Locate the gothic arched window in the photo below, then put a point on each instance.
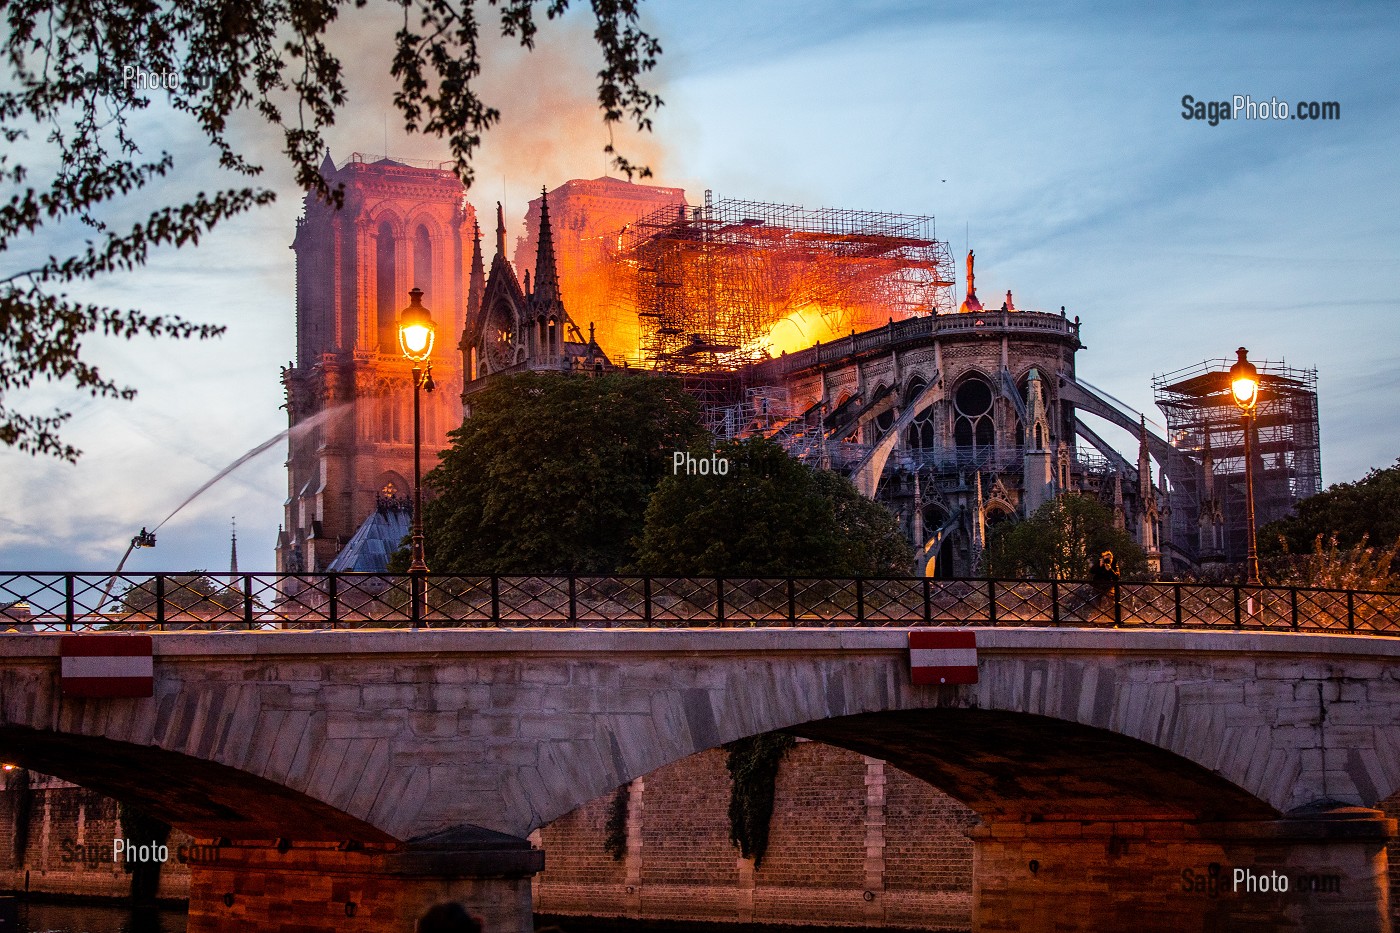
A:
(854, 436)
(881, 423)
(423, 263)
(386, 288)
(920, 434)
(973, 426)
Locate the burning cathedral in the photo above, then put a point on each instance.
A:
(836, 333)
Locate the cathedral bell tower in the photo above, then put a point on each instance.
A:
(350, 391)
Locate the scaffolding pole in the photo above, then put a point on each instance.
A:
(734, 282)
(1201, 413)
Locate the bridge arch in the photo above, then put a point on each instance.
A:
(202, 797)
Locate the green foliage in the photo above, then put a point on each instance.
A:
(753, 775)
(1349, 512)
(67, 107)
(140, 828)
(552, 472)
(868, 538)
(769, 516)
(1332, 566)
(615, 829)
(1061, 541)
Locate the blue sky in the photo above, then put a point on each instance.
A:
(1047, 136)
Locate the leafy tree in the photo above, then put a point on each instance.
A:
(1349, 512)
(769, 516)
(1061, 541)
(1331, 566)
(185, 591)
(552, 472)
(67, 103)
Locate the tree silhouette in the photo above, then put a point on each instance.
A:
(76, 74)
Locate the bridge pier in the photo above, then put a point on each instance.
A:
(323, 888)
(1181, 877)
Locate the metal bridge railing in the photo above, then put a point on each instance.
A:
(254, 601)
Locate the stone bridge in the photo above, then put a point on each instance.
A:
(350, 777)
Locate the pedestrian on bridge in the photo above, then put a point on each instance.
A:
(1105, 577)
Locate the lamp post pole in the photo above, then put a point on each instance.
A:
(1252, 550)
(1244, 385)
(419, 565)
(416, 331)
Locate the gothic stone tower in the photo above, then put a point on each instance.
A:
(349, 393)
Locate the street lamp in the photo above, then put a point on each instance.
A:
(416, 332)
(1244, 386)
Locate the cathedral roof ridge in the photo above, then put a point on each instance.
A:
(375, 160)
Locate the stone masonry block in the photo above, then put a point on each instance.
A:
(388, 696)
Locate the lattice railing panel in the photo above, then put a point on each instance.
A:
(310, 601)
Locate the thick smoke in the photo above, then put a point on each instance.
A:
(551, 128)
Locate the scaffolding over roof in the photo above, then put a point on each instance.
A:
(1201, 414)
(735, 281)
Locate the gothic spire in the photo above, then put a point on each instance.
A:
(1037, 423)
(233, 552)
(1144, 462)
(546, 268)
(979, 523)
(500, 231)
(918, 521)
(1149, 509)
(477, 282)
(1120, 518)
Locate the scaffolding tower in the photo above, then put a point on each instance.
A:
(733, 282)
(1202, 416)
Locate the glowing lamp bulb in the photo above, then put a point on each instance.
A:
(416, 329)
(1244, 382)
(415, 339)
(8, 767)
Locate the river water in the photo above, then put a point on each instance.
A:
(71, 918)
(83, 918)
